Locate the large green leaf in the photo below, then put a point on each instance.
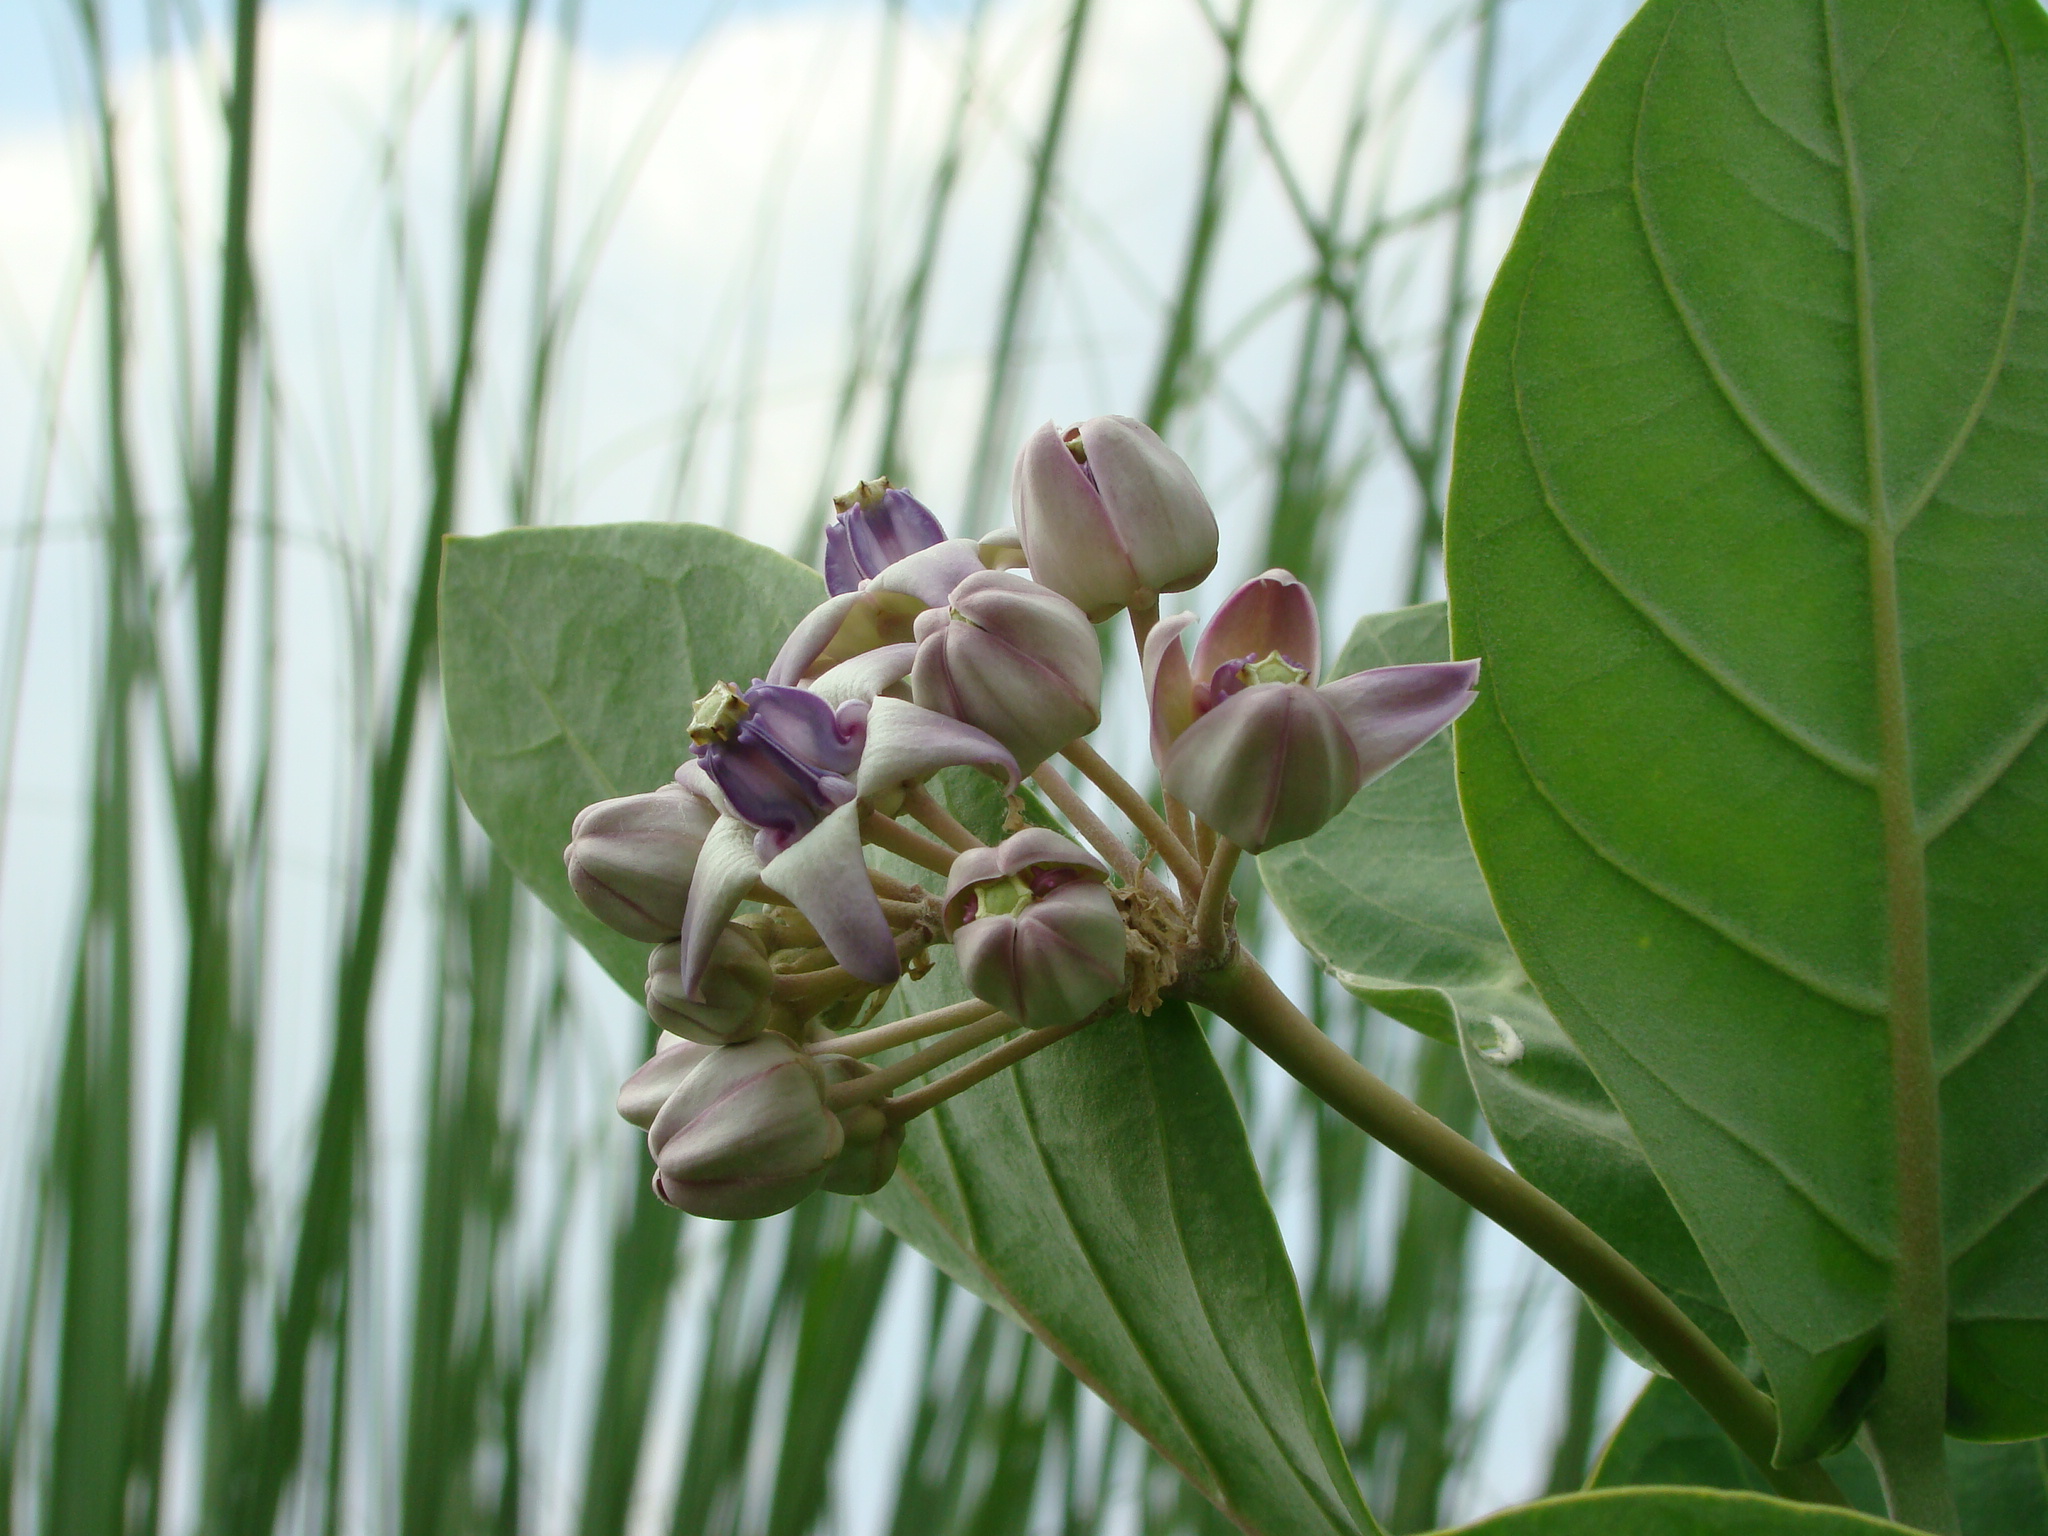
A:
(1674, 1512)
(1103, 1193)
(1667, 1438)
(1766, 370)
(570, 659)
(1389, 899)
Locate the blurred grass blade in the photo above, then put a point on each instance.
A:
(991, 453)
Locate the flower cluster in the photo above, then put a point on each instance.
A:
(932, 653)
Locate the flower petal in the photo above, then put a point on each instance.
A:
(1154, 503)
(1168, 683)
(1271, 612)
(726, 871)
(807, 642)
(865, 677)
(1267, 766)
(643, 1094)
(929, 576)
(825, 877)
(1069, 542)
(907, 744)
(1390, 711)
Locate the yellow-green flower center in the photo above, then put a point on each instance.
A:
(999, 898)
(717, 715)
(1272, 668)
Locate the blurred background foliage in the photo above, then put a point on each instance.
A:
(315, 1214)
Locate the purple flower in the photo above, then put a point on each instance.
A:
(792, 776)
(1110, 516)
(1036, 930)
(1248, 741)
(874, 526)
(784, 757)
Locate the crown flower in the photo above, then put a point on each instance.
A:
(779, 1072)
(1246, 739)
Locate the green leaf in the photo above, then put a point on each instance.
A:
(1674, 1512)
(570, 659)
(1102, 1193)
(1389, 899)
(1667, 1438)
(1769, 349)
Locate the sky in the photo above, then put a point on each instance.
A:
(723, 199)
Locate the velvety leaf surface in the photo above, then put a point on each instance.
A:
(1757, 417)
(1389, 899)
(1103, 1193)
(1667, 1438)
(570, 660)
(1674, 1512)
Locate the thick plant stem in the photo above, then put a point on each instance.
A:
(1245, 995)
(1125, 797)
(914, 847)
(1215, 903)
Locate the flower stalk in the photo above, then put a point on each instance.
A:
(924, 807)
(920, 1026)
(908, 1106)
(865, 1090)
(1125, 797)
(912, 847)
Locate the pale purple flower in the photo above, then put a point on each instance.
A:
(1014, 658)
(1035, 929)
(868, 1159)
(1247, 740)
(1109, 515)
(733, 993)
(744, 1132)
(879, 612)
(630, 860)
(791, 779)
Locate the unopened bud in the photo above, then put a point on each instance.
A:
(868, 1160)
(1014, 659)
(732, 995)
(643, 1094)
(1109, 515)
(1036, 931)
(630, 860)
(745, 1133)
